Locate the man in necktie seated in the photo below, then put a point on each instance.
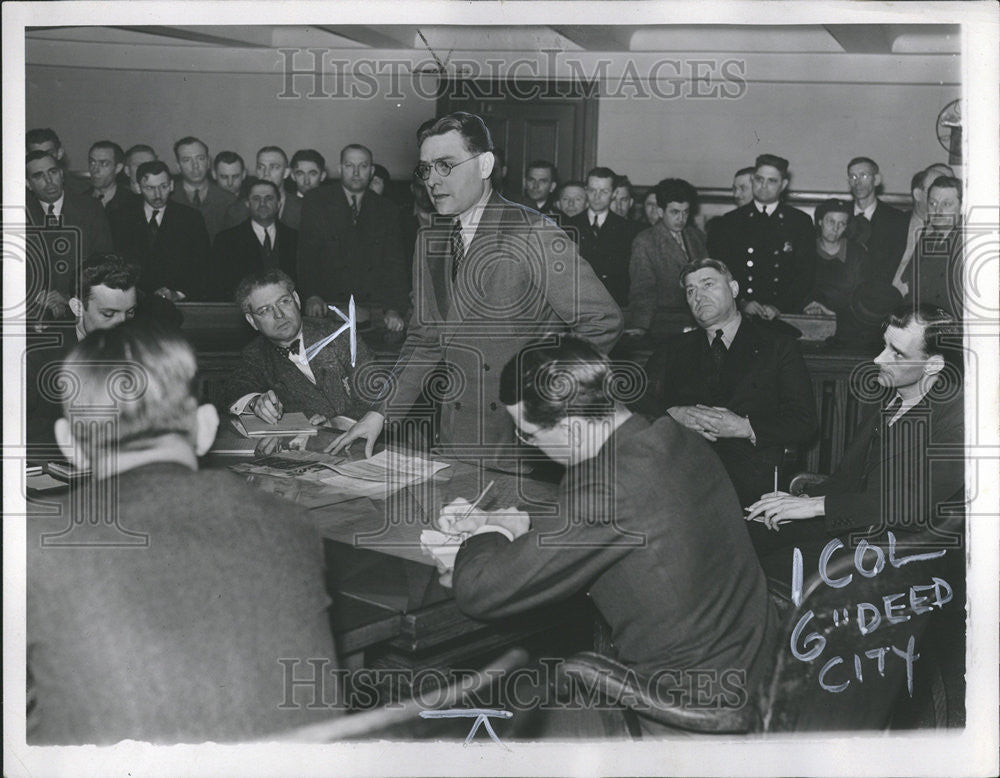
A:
(901, 469)
(259, 243)
(648, 525)
(164, 603)
(275, 374)
(736, 380)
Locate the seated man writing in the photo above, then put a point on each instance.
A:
(900, 470)
(649, 527)
(161, 601)
(275, 375)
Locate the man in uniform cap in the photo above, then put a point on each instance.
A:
(769, 247)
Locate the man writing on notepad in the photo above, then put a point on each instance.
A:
(275, 374)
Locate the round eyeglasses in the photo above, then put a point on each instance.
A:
(443, 168)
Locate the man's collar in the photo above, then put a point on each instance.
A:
(57, 204)
(260, 229)
(471, 217)
(591, 213)
(190, 189)
(729, 330)
(300, 338)
(148, 209)
(349, 195)
(771, 207)
(868, 212)
(109, 192)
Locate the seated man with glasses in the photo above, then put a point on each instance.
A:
(648, 525)
(274, 374)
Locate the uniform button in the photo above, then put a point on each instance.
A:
(775, 279)
(750, 250)
(749, 263)
(493, 406)
(775, 251)
(749, 290)
(749, 278)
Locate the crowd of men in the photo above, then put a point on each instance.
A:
(522, 320)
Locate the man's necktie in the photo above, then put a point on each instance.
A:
(196, 199)
(457, 248)
(355, 211)
(763, 213)
(99, 196)
(52, 210)
(717, 351)
(595, 227)
(291, 348)
(154, 226)
(680, 241)
(267, 245)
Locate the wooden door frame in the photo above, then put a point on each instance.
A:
(554, 91)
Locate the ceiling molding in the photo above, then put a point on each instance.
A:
(380, 37)
(862, 38)
(596, 37)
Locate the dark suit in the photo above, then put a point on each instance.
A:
(655, 295)
(763, 378)
(652, 531)
(607, 251)
(177, 259)
(920, 458)
(548, 208)
(338, 259)
(238, 253)
(883, 238)
(262, 367)
(123, 196)
(181, 639)
(521, 280)
(63, 248)
(935, 274)
(773, 258)
(213, 208)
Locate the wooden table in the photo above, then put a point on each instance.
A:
(390, 609)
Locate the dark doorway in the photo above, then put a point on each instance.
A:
(529, 120)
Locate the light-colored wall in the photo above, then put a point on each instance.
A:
(817, 109)
(236, 111)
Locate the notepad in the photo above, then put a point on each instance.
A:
(292, 424)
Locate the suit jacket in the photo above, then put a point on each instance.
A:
(607, 251)
(123, 196)
(655, 275)
(237, 253)
(548, 208)
(763, 378)
(291, 214)
(651, 530)
(180, 639)
(335, 393)
(337, 259)
(213, 208)
(935, 275)
(772, 258)
(920, 457)
(884, 240)
(179, 257)
(521, 280)
(85, 225)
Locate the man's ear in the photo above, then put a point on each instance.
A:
(552, 187)
(784, 184)
(298, 303)
(661, 211)
(67, 444)
(76, 305)
(486, 163)
(918, 194)
(878, 180)
(735, 286)
(119, 168)
(322, 175)
(171, 187)
(207, 419)
(250, 321)
(934, 365)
